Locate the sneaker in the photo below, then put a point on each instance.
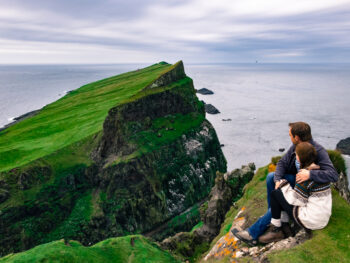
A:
(244, 236)
(272, 234)
(287, 230)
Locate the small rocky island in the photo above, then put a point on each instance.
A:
(205, 91)
(209, 108)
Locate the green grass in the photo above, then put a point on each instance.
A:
(337, 160)
(111, 250)
(331, 244)
(168, 130)
(76, 116)
(200, 224)
(61, 163)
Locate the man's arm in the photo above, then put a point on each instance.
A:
(327, 172)
(282, 164)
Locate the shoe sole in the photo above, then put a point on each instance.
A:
(251, 243)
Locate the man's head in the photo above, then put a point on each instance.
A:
(299, 132)
(305, 153)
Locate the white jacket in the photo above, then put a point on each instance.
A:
(313, 212)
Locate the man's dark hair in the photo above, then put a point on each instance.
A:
(301, 129)
(307, 154)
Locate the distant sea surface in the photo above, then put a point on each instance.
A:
(260, 100)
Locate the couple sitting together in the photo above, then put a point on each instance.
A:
(299, 190)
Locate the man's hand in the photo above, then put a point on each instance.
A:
(277, 184)
(302, 176)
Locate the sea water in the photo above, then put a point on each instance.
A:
(260, 100)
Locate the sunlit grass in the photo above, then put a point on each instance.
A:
(72, 118)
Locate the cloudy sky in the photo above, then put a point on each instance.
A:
(197, 31)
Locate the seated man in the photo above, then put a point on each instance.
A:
(288, 168)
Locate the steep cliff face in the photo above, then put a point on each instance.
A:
(155, 157)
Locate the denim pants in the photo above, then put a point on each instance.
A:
(259, 227)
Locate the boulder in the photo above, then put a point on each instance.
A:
(211, 109)
(342, 185)
(205, 91)
(344, 146)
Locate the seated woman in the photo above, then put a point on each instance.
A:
(309, 204)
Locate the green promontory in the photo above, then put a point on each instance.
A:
(115, 157)
(134, 248)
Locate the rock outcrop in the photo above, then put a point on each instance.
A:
(342, 185)
(205, 91)
(231, 247)
(227, 188)
(209, 108)
(174, 74)
(344, 146)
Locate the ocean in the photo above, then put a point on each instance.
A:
(259, 99)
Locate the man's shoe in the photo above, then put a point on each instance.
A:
(287, 230)
(244, 236)
(272, 234)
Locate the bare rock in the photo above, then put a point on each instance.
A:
(342, 185)
(211, 109)
(205, 91)
(344, 146)
(227, 246)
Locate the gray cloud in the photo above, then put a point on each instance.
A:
(197, 31)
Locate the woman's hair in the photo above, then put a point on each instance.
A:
(307, 154)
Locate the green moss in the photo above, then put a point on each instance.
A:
(200, 224)
(163, 131)
(169, 128)
(80, 215)
(337, 160)
(179, 220)
(121, 249)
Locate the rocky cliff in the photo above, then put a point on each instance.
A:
(155, 156)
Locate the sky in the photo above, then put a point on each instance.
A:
(196, 31)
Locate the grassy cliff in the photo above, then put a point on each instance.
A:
(76, 116)
(115, 157)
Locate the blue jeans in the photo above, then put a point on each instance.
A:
(259, 227)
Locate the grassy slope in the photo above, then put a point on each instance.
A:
(331, 243)
(72, 118)
(110, 250)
